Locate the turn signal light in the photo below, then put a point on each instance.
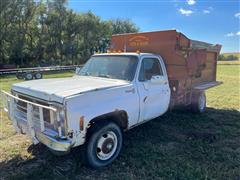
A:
(81, 123)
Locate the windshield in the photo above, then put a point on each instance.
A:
(114, 67)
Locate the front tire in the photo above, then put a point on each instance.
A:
(104, 144)
(198, 102)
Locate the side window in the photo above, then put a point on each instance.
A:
(150, 67)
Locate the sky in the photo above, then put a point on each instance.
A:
(213, 21)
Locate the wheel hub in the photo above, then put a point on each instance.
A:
(106, 145)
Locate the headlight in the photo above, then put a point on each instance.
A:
(62, 115)
(61, 122)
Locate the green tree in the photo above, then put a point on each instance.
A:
(46, 32)
(221, 57)
(22, 39)
(55, 21)
(93, 32)
(120, 26)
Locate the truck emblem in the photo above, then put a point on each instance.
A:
(138, 41)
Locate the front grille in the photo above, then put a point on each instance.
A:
(23, 106)
(21, 113)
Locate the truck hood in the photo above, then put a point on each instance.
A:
(58, 88)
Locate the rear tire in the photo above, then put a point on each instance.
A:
(38, 75)
(198, 102)
(104, 144)
(20, 75)
(28, 76)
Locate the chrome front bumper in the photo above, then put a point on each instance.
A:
(54, 144)
(52, 140)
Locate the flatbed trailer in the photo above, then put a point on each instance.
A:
(35, 72)
(191, 65)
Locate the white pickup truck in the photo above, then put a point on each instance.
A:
(110, 94)
(114, 92)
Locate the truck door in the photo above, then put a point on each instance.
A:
(153, 88)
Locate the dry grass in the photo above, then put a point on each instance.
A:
(236, 62)
(178, 145)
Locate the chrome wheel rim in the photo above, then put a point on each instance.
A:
(106, 145)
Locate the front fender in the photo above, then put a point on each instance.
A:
(96, 103)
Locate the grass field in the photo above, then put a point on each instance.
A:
(178, 145)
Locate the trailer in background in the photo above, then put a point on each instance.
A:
(36, 72)
(191, 65)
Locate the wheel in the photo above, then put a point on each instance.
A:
(28, 76)
(38, 75)
(20, 75)
(199, 102)
(104, 145)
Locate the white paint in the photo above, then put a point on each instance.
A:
(57, 89)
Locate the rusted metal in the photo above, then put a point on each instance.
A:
(189, 63)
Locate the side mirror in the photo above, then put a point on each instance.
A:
(157, 80)
(77, 70)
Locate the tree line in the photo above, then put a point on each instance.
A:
(47, 32)
(230, 57)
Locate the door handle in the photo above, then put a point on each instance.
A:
(144, 100)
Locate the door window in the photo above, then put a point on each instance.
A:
(150, 67)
